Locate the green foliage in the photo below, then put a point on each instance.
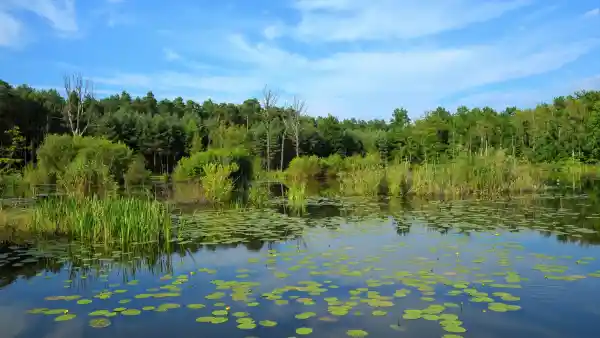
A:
(296, 194)
(9, 155)
(136, 173)
(361, 175)
(303, 168)
(333, 165)
(192, 168)
(85, 178)
(485, 174)
(103, 220)
(258, 194)
(58, 152)
(217, 184)
(170, 133)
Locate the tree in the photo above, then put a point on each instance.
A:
(269, 101)
(297, 109)
(77, 91)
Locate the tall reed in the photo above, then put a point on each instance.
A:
(103, 220)
(217, 184)
(361, 175)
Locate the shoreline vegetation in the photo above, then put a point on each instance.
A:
(94, 164)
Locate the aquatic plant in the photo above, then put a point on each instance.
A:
(217, 184)
(362, 175)
(84, 178)
(296, 194)
(102, 220)
(192, 167)
(303, 168)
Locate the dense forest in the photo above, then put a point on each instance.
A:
(164, 131)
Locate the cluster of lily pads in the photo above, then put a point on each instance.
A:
(393, 284)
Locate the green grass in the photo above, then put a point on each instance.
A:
(102, 220)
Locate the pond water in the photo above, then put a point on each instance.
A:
(519, 268)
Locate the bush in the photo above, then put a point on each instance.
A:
(192, 168)
(333, 165)
(303, 167)
(136, 173)
(57, 152)
(217, 184)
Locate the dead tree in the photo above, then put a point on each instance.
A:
(77, 91)
(269, 101)
(297, 109)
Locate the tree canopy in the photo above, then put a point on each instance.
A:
(164, 131)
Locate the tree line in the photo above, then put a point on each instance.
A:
(165, 131)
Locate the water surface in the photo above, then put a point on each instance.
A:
(520, 268)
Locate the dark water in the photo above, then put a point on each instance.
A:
(338, 257)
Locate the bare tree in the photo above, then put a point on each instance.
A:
(284, 132)
(297, 109)
(77, 91)
(269, 101)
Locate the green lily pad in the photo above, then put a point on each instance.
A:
(99, 323)
(304, 331)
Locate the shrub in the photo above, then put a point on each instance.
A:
(332, 165)
(57, 152)
(217, 184)
(303, 167)
(136, 173)
(192, 168)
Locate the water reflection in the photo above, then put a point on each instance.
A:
(343, 246)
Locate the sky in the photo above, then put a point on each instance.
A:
(348, 58)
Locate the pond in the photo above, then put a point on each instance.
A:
(524, 267)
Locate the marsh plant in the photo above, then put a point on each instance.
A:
(217, 184)
(490, 174)
(86, 178)
(102, 220)
(303, 168)
(361, 175)
(259, 194)
(297, 194)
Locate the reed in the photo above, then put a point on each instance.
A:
(361, 175)
(102, 220)
(217, 184)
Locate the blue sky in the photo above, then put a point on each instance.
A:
(350, 58)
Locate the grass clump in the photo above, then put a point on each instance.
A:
(361, 175)
(102, 220)
(303, 168)
(212, 175)
(192, 167)
(489, 174)
(217, 184)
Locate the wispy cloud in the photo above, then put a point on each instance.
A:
(171, 55)
(592, 12)
(60, 13)
(346, 20)
(376, 79)
(10, 30)
(352, 58)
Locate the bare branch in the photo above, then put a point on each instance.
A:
(76, 89)
(269, 98)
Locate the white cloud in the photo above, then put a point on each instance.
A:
(10, 30)
(347, 20)
(171, 55)
(272, 32)
(592, 13)
(60, 13)
(528, 97)
(371, 81)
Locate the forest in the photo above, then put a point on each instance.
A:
(165, 131)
